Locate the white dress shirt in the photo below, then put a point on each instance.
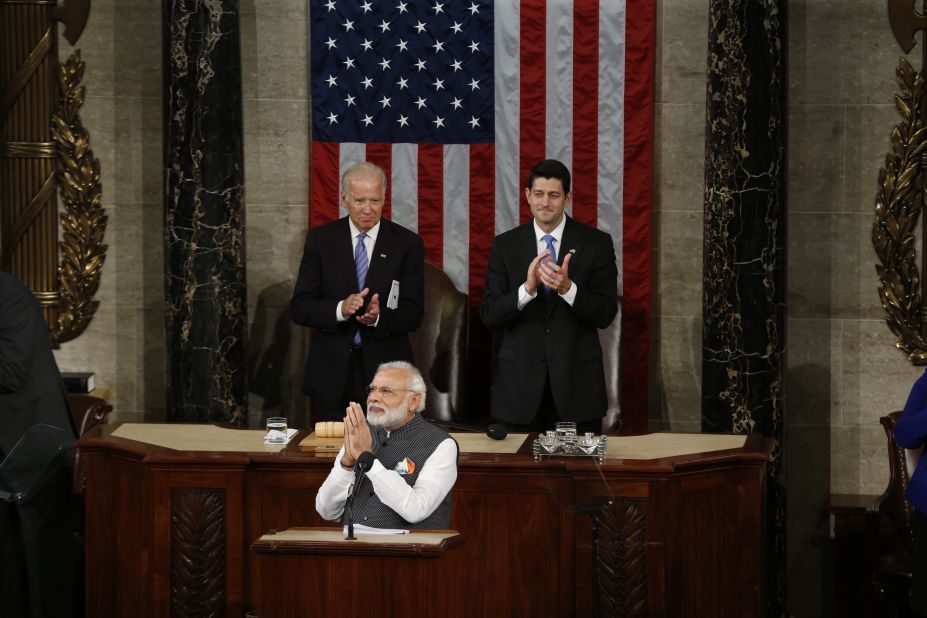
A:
(412, 503)
(369, 242)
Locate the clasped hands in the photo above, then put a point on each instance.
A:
(357, 438)
(543, 271)
(352, 303)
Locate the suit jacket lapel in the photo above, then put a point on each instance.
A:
(345, 257)
(568, 241)
(527, 248)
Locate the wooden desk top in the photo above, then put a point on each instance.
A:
(245, 446)
(331, 541)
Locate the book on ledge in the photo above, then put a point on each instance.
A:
(78, 381)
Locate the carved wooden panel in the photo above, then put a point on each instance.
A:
(619, 562)
(197, 552)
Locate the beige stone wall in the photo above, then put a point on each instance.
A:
(275, 84)
(843, 372)
(676, 357)
(124, 343)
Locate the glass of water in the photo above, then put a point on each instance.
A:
(276, 430)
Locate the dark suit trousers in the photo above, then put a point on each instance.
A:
(355, 389)
(547, 417)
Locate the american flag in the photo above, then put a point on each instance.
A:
(457, 99)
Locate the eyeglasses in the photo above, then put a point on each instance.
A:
(386, 391)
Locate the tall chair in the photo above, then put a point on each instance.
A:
(87, 412)
(439, 346)
(891, 579)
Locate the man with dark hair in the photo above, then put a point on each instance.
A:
(409, 483)
(361, 289)
(37, 568)
(551, 284)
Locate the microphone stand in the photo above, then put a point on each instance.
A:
(349, 511)
(362, 463)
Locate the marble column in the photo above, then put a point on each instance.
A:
(204, 212)
(743, 334)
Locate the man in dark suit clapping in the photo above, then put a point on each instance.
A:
(551, 284)
(361, 289)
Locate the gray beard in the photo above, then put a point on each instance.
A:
(391, 417)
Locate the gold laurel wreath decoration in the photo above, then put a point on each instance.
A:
(898, 206)
(83, 221)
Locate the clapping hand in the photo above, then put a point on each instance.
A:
(372, 313)
(352, 303)
(557, 278)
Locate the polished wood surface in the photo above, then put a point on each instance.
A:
(401, 577)
(410, 545)
(678, 536)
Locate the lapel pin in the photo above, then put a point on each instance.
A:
(382, 255)
(572, 250)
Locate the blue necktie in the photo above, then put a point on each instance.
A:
(360, 265)
(553, 255)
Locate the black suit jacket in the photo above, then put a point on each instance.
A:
(549, 338)
(31, 390)
(327, 275)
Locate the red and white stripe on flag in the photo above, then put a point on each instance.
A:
(574, 82)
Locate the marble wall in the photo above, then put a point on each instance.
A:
(842, 371)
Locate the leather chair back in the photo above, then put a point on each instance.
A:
(892, 502)
(891, 568)
(610, 341)
(87, 412)
(439, 346)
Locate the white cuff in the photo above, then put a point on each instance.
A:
(524, 297)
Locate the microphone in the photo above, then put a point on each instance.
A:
(497, 431)
(494, 431)
(363, 463)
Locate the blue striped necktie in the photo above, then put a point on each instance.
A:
(553, 255)
(361, 264)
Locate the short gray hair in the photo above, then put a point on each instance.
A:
(416, 382)
(364, 169)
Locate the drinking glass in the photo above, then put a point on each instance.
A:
(276, 430)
